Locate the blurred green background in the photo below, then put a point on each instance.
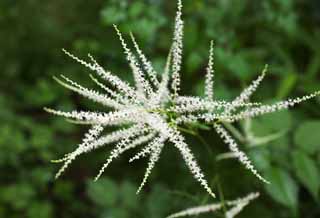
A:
(248, 34)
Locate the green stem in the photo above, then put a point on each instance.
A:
(236, 133)
(187, 131)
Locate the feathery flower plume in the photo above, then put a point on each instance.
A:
(151, 113)
(243, 158)
(177, 46)
(236, 207)
(209, 75)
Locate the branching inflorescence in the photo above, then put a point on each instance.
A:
(151, 113)
(235, 206)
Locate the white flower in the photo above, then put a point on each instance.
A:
(151, 114)
(209, 75)
(236, 207)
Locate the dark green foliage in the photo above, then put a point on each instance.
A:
(247, 34)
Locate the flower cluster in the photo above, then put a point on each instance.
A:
(236, 207)
(150, 114)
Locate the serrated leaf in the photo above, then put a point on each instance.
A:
(307, 136)
(307, 172)
(283, 188)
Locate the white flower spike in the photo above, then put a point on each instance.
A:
(210, 75)
(236, 207)
(151, 113)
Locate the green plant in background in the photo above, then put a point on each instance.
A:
(247, 35)
(152, 112)
(120, 200)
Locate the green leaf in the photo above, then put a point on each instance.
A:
(271, 130)
(200, 126)
(239, 66)
(46, 96)
(41, 137)
(307, 136)
(63, 190)
(41, 176)
(157, 202)
(103, 192)
(18, 195)
(193, 62)
(287, 84)
(115, 212)
(260, 157)
(307, 172)
(136, 9)
(272, 123)
(39, 209)
(283, 188)
(12, 139)
(128, 195)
